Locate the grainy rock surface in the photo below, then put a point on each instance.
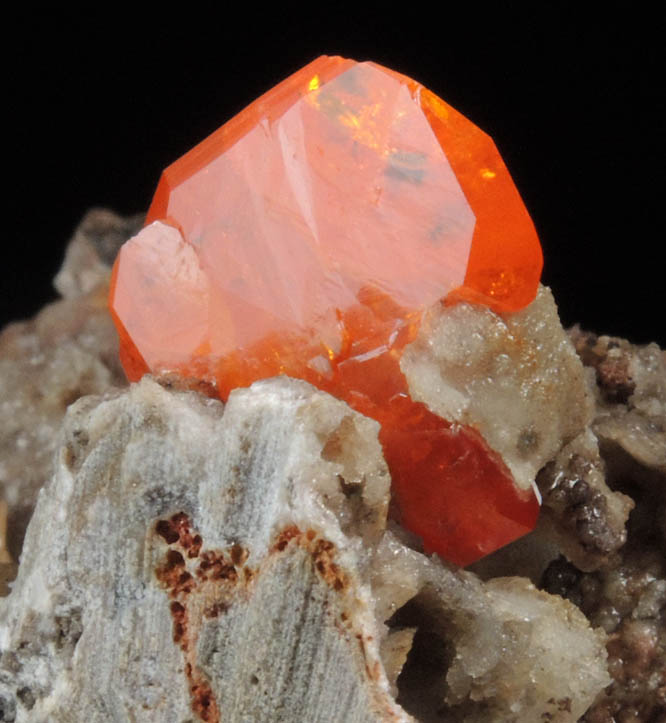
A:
(586, 518)
(194, 561)
(628, 600)
(499, 651)
(626, 596)
(514, 377)
(68, 350)
(582, 550)
(631, 396)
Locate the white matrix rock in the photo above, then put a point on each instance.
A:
(190, 561)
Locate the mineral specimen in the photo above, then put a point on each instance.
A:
(197, 560)
(233, 564)
(307, 237)
(136, 472)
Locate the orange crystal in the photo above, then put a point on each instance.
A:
(306, 237)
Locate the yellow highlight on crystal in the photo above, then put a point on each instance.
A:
(314, 83)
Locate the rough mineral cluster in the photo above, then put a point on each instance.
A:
(191, 560)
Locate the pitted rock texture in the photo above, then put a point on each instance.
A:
(628, 600)
(626, 596)
(631, 396)
(586, 518)
(190, 561)
(68, 350)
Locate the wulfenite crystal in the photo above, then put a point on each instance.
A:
(307, 236)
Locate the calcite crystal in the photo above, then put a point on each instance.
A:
(514, 377)
(307, 237)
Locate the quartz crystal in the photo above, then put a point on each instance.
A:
(307, 237)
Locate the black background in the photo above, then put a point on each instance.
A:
(99, 104)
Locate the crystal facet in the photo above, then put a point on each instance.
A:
(306, 237)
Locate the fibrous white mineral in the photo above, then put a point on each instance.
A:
(190, 560)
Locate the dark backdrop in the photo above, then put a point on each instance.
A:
(98, 104)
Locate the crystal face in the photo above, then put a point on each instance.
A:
(306, 237)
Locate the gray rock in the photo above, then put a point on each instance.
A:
(631, 397)
(68, 350)
(92, 251)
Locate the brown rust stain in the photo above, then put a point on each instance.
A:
(216, 609)
(285, 537)
(177, 530)
(238, 554)
(322, 552)
(214, 565)
(189, 573)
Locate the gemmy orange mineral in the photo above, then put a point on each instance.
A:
(306, 237)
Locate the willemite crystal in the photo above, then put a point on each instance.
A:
(307, 236)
